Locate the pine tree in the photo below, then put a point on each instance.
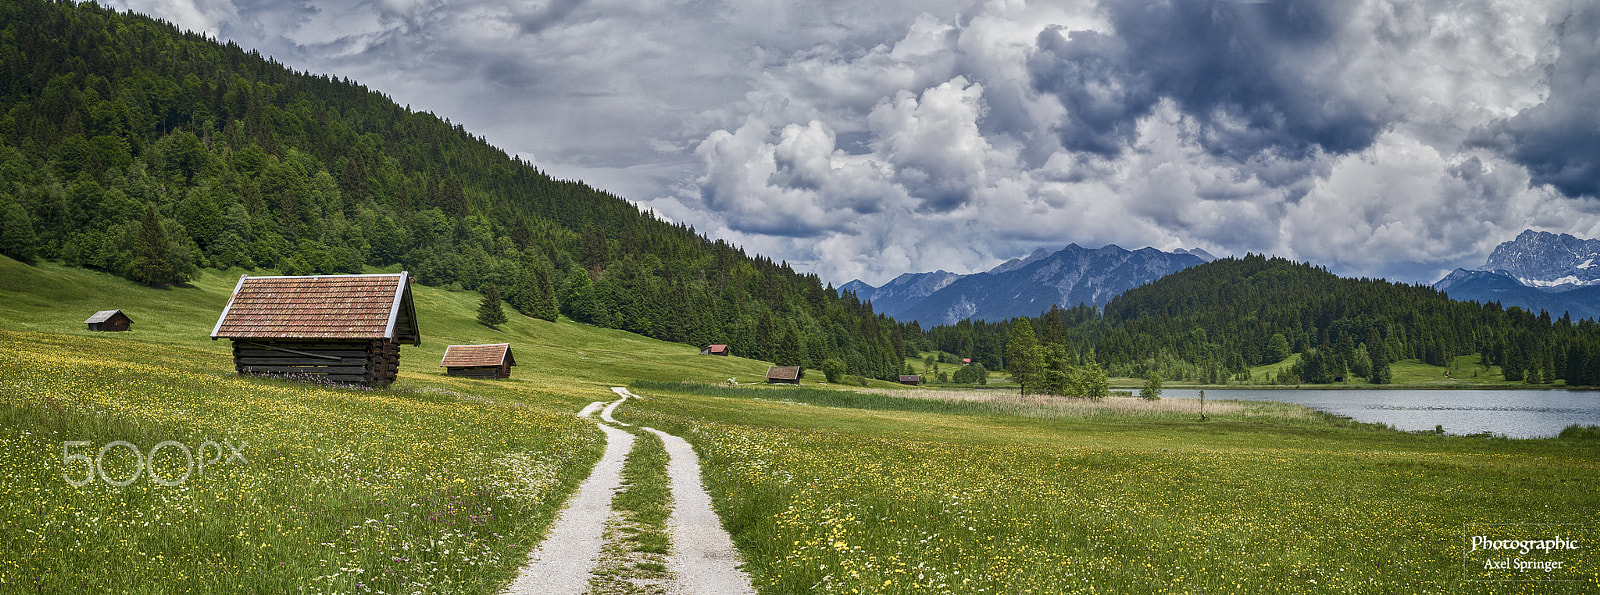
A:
(1024, 363)
(1277, 349)
(490, 313)
(534, 296)
(788, 352)
(577, 297)
(544, 299)
(1091, 379)
(1152, 385)
(1056, 376)
(16, 233)
(151, 263)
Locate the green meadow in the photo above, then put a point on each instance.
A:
(434, 485)
(885, 494)
(442, 485)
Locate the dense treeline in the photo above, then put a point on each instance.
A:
(131, 147)
(1210, 323)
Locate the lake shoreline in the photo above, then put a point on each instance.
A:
(1329, 387)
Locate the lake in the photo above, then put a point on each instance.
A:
(1511, 413)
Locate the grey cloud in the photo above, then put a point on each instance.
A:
(1559, 140)
(957, 133)
(536, 21)
(1252, 74)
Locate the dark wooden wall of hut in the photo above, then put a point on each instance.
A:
(115, 324)
(500, 371)
(370, 363)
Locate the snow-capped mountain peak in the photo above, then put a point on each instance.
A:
(1547, 260)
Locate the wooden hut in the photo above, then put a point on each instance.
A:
(783, 374)
(339, 328)
(478, 361)
(714, 350)
(109, 320)
(911, 380)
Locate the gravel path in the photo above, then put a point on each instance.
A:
(703, 558)
(593, 407)
(562, 562)
(606, 414)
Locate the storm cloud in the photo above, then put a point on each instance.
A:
(1559, 140)
(864, 140)
(1255, 76)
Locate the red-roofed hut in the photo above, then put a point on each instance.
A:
(478, 361)
(341, 328)
(714, 350)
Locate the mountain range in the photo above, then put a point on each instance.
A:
(1537, 271)
(1024, 286)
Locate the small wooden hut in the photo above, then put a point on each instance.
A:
(340, 328)
(911, 380)
(714, 350)
(109, 320)
(478, 361)
(783, 374)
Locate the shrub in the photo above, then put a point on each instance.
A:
(834, 370)
(1577, 432)
(971, 374)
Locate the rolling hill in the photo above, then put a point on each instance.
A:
(56, 299)
(132, 147)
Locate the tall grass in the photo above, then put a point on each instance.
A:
(908, 496)
(1007, 403)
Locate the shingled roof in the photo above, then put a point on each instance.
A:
(103, 316)
(321, 307)
(469, 356)
(783, 373)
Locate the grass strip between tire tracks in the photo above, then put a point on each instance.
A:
(637, 543)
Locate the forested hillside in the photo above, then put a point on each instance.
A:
(1212, 322)
(129, 146)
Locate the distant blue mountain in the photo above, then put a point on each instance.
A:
(1538, 271)
(860, 288)
(902, 292)
(1025, 286)
(1500, 286)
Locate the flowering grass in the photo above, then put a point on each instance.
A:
(886, 499)
(437, 484)
(334, 490)
(443, 484)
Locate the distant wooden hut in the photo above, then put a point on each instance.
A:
(910, 379)
(966, 360)
(714, 350)
(340, 328)
(783, 374)
(479, 361)
(109, 320)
